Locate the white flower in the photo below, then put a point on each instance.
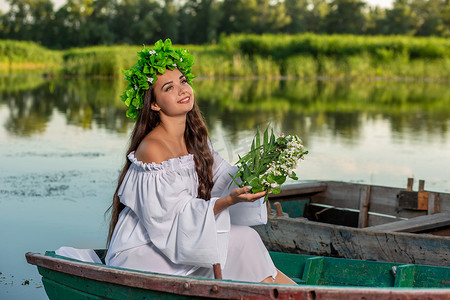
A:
(181, 59)
(151, 52)
(135, 87)
(149, 79)
(174, 65)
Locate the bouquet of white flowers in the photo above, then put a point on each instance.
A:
(267, 165)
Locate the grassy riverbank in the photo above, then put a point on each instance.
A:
(303, 56)
(21, 56)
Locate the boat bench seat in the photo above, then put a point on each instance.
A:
(317, 270)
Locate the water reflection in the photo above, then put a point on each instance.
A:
(337, 108)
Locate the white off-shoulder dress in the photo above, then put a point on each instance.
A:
(164, 228)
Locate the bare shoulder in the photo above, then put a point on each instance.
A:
(152, 150)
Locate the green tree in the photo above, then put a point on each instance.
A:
(238, 16)
(445, 15)
(429, 16)
(376, 22)
(27, 20)
(317, 15)
(296, 10)
(136, 22)
(270, 17)
(72, 26)
(167, 21)
(100, 22)
(401, 18)
(199, 21)
(346, 16)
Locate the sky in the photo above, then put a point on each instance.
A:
(59, 3)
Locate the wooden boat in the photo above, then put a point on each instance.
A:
(359, 221)
(317, 278)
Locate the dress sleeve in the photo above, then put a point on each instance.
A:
(244, 213)
(182, 227)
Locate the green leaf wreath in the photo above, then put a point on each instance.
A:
(150, 63)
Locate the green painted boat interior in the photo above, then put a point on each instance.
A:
(69, 287)
(295, 208)
(329, 271)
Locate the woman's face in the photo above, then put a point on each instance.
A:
(174, 96)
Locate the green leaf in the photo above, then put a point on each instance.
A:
(253, 181)
(266, 139)
(246, 172)
(257, 139)
(270, 178)
(241, 184)
(257, 189)
(167, 44)
(280, 179)
(276, 190)
(159, 44)
(256, 155)
(293, 176)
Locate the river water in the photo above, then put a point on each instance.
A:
(63, 143)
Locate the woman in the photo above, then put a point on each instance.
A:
(172, 210)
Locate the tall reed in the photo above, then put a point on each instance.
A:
(268, 55)
(26, 56)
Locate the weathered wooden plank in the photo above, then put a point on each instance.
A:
(421, 185)
(427, 278)
(307, 237)
(278, 209)
(217, 271)
(303, 189)
(405, 275)
(336, 271)
(375, 219)
(364, 202)
(421, 223)
(413, 200)
(383, 200)
(409, 185)
(433, 203)
(313, 270)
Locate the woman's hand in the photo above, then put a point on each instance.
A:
(244, 195)
(236, 196)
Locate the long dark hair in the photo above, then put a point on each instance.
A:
(196, 138)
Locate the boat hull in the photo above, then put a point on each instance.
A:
(380, 230)
(321, 278)
(295, 235)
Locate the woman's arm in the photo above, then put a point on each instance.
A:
(236, 196)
